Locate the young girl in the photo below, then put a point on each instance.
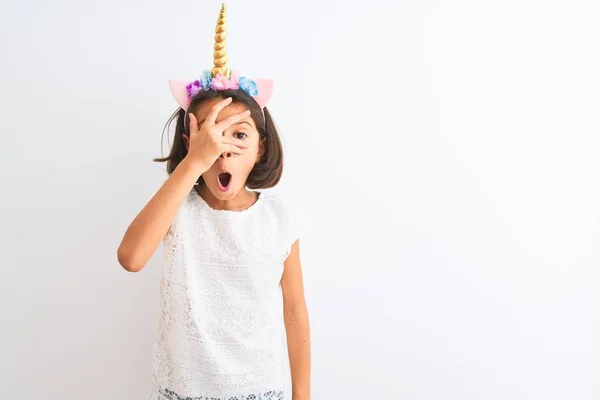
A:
(233, 323)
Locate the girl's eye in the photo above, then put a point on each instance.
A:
(240, 133)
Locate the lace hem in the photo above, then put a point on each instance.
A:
(166, 394)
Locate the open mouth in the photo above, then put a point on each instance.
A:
(224, 179)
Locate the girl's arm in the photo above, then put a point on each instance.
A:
(296, 324)
(205, 143)
(145, 233)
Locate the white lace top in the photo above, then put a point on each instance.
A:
(220, 333)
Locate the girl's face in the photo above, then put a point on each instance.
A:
(238, 165)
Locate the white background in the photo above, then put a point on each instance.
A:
(446, 151)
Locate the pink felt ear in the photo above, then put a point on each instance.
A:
(179, 92)
(265, 91)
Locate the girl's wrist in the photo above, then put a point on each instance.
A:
(300, 395)
(196, 167)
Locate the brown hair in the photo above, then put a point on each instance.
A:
(266, 172)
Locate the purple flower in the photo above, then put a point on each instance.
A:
(193, 88)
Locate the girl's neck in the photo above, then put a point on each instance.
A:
(242, 200)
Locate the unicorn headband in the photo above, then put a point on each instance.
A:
(221, 77)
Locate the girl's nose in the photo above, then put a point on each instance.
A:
(225, 154)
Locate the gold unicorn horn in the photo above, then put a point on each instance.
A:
(220, 50)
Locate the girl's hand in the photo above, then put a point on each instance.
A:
(207, 143)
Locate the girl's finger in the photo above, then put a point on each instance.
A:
(237, 142)
(193, 123)
(211, 118)
(232, 119)
(234, 149)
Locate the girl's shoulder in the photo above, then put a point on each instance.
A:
(284, 205)
(291, 214)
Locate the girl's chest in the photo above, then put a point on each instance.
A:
(250, 239)
(247, 254)
(247, 239)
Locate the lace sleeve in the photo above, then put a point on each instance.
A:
(296, 224)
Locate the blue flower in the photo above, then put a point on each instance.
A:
(248, 86)
(205, 79)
